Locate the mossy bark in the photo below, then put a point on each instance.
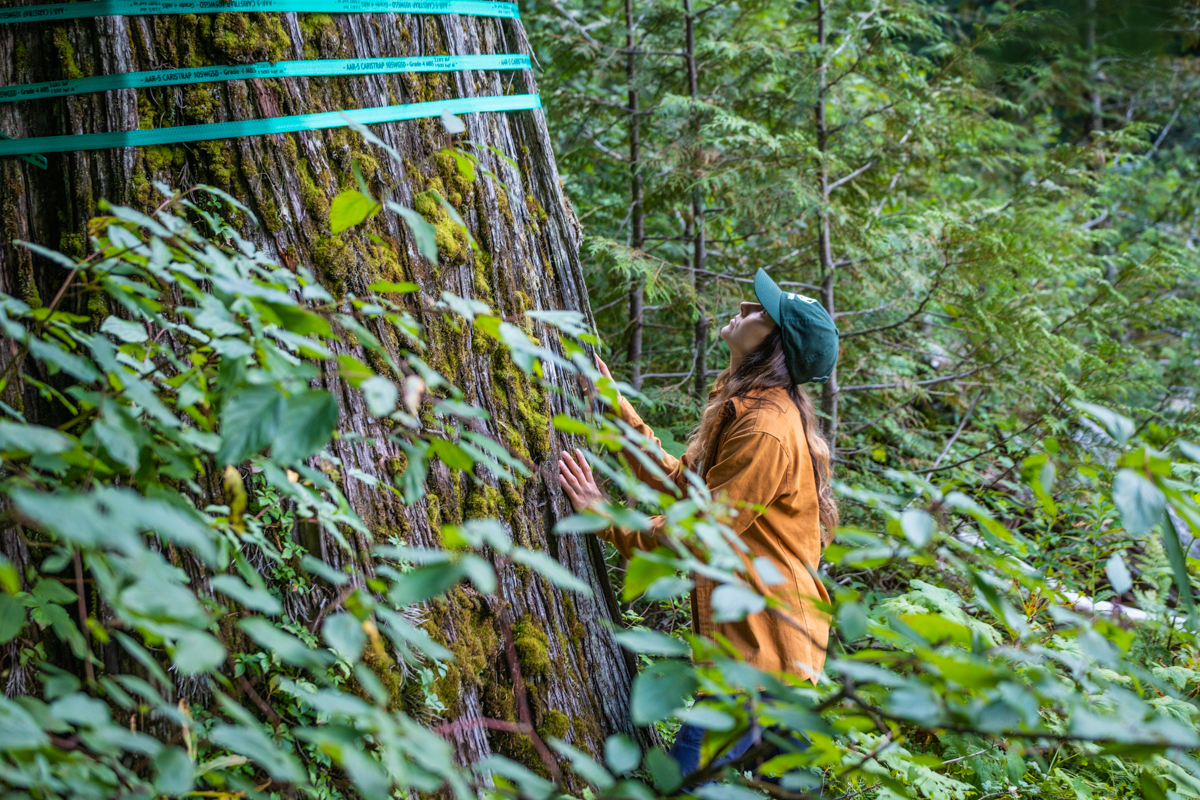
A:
(578, 676)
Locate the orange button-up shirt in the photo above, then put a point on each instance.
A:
(760, 458)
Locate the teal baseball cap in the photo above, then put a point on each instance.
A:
(810, 339)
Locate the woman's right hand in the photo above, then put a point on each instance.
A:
(576, 479)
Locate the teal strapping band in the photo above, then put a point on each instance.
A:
(262, 127)
(134, 8)
(37, 159)
(280, 69)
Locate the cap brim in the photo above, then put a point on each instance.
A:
(768, 293)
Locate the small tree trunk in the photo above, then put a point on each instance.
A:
(829, 395)
(699, 253)
(637, 214)
(527, 259)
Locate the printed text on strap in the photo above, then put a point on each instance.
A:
(280, 69)
(261, 127)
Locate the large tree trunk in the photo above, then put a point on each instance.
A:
(528, 259)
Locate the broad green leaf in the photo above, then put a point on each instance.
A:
(381, 395)
(309, 420)
(664, 771)
(1118, 574)
(349, 209)
(583, 764)
(255, 599)
(644, 640)
(250, 419)
(545, 565)
(582, 523)
(18, 730)
(1118, 427)
(569, 425)
(124, 330)
(32, 439)
(621, 754)
(707, 717)
(731, 603)
(1140, 502)
(424, 234)
(283, 644)
(256, 746)
(174, 772)
(197, 652)
(851, 621)
(644, 569)
(918, 526)
(660, 689)
(344, 633)
(120, 434)
(388, 287)
(1190, 451)
(452, 124)
(12, 618)
(1173, 534)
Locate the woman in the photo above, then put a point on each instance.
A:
(757, 445)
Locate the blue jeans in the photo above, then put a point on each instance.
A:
(686, 750)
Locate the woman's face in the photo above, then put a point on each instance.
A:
(746, 332)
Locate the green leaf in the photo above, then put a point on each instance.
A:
(255, 599)
(1118, 574)
(660, 689)
(1190, 451)
(1118, 427)
(12, 618)
(644, 640)
(707, 717)
(582, 523)
(918, 526)
(453, 124)
(197, 652)
(344, 633)
(309, 420)
(319, 568)
(1172, 536)
(569, 425)
(644, 569)
(388, 287)
(18, 730)
(851, 621)
(349, 209)
(124, 330)
(621, 754)
(664, 771)
(298, 320)
(732, 603)
(424, 234)
(1140, 502)
(381, 395)
(174, 772)
(545, 565)
(250, 419)
(583, 764)
(120, 434)
(283, 644)
(32, 439)
(451, 454)
(254, 745)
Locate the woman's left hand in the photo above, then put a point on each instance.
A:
(575, 477)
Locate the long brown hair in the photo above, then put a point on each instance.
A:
(766, 368)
